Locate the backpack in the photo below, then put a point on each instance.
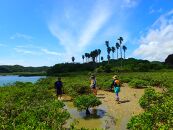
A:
(116, 83)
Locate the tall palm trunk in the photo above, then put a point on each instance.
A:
(120, 50)
(117, 54)
(99, 58)
(124, 55)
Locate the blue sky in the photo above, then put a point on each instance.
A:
(46, 32)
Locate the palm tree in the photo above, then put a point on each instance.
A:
(96, 54)
(92, 54)
(113, 50)
(99, 52)
(117, 46)
(109, 50)
(73, 59)
(124, 49)
(86, 55)
(120, 39)
(108, 57)
(102, 58)
(83, 58)
(107, 43)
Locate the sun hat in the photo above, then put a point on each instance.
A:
(115, 77)
(92, 76)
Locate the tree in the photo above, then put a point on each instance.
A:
(102, 58)
(169, 60)
(124, 49)
(108, 57)
(96, 54)
(120, 40)
(109, 50)
(86, 56)
(73, 59)
(85, 102)
(117, 46)
(83, 58)
(113, 50)
(107, 43)
(99, 52)
(92, 56)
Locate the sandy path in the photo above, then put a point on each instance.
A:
(128, 107)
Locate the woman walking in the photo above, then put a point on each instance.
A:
(93, 85)
(116, 86)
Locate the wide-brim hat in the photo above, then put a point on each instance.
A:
(115, 77)
(92, 76)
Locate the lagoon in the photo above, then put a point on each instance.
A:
(13, 78)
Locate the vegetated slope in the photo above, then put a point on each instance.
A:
(30, 106)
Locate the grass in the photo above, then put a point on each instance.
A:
(20, 102)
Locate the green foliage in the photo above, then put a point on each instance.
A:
(138, 83)
(125, 79)
(18, 68)
(30, 106)
(149, 98)
(86, 101)
(128, 65)
(158, 112)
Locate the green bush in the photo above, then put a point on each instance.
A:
(84, 102)
(138, 83)
(158, 112)
(30, 106)
(125, 79)
(149, 98)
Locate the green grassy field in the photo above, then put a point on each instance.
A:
(34, 106)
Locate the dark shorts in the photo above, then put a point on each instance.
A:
(58, 91)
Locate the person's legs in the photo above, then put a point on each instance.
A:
(95, 91)
(117, 96)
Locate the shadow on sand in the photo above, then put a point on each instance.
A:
(124, 101)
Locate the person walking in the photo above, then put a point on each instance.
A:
(58, 87)
(116, 86)
(93, 85)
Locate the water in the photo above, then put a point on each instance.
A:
(99, 117)
(13, 78)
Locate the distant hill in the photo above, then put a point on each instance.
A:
(169, 60)
(120, 65)
(18, 68)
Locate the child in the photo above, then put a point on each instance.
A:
(58, 87)
(116, 85)
(93, 85)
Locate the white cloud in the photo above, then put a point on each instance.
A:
(130, 3)
(96, 21)
(51, 52)
(152, 10)
(157, 44)
(24, 51)
(20, 35)
(76, 38)
(2, 45)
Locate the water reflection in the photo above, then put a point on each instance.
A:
(98, 117)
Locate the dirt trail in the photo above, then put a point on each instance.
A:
(128, 107)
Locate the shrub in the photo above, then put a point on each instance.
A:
(138, 83)
(84, 102)
(158, 112)
(125, 79)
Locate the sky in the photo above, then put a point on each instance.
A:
(47, 32)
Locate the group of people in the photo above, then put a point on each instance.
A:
(115, 86)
